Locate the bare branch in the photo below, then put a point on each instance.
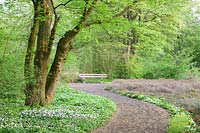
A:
(62, 4)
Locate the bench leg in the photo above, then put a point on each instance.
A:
(83, 80)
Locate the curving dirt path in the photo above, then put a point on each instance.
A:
(132, 116)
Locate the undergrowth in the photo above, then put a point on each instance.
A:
(71, 111)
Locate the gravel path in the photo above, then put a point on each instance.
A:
(132, 116)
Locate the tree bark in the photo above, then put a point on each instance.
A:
(37, 94)
(63, 48)
(28, 66)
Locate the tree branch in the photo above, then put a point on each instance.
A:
(62, 4)
(92, 22)
(154, 17)
(83, 18)
(89, 11)
(88, 23)
(53, 33)
(53, 30)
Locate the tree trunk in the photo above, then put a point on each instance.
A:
(28, 66)
(128, 53)
(37, 94)
(63, 48)
(41, 84)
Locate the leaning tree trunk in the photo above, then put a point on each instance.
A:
(63, 48)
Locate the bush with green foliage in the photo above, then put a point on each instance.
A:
(11, 71)
(160, 67)
(179, 123)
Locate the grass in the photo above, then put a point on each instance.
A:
(71, 111)
(180, 121)
(97, 80)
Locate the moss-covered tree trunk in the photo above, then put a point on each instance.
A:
(36, 71)
(63, 48)
(41, 83)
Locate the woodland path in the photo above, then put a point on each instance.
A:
(132, 116)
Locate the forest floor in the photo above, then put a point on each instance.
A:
(132, 116)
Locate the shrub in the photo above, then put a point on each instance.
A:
(155, 68)
(179, 123)
(11, 72)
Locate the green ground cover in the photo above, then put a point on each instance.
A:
(96, 80)
(71, 111)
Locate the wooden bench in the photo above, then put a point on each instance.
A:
(84, 76)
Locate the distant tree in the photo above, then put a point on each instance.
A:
(154, 27)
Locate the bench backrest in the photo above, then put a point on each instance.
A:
(93, 75)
